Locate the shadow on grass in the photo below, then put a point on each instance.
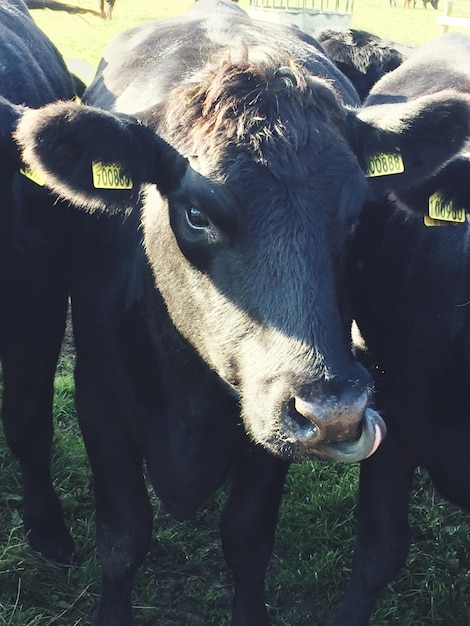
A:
(59, 6)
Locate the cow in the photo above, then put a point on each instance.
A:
(219, 162)
(433, 3)
(410, 297)
(362, 56)
(33, 289)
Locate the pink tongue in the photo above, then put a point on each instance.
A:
(377, 440)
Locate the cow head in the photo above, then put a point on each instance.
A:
(247, 245)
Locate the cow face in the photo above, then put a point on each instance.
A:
(241, 283)
(247, 252)
(259, 267)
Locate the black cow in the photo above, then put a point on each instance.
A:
(209, 306)
(411, 298)
(433, 3)
(33, 289)
(362, 56)
(453, 180)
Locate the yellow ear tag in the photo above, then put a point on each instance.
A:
(32, 175)
(430, 221)
(385, 164)
(109, 176)
(440, 211)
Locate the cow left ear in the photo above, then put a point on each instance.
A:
(400, 145)
(96, 159)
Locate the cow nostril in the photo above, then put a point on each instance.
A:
(300, 428)
(298, 419)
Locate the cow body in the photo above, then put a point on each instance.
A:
(211, 331)
(416, 330)
(33, 284)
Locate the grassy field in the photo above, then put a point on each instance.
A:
(184, 581)
(84, 36)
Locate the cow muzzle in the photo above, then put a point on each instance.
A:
(338, 426)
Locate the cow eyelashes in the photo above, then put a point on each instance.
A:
(196, 234)
(197, 219)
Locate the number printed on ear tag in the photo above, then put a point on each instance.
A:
(109, 176)
(32, 175)
(385, 164)
(446, 211)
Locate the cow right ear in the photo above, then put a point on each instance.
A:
(96, 159)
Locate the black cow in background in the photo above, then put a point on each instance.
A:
(453, 180)
(209, 307)
(33, 277)
(411, 298)
(433, 3)
(362, 56)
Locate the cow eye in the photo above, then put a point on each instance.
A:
(197, 218)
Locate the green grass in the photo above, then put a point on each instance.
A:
(406, 26)
(85, 36)
(184, 581)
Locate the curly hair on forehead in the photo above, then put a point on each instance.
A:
(250, 97)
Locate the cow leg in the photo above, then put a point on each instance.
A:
(28, 375)
(383, 534)
(248, 527)
(123, 534)
(123, 511)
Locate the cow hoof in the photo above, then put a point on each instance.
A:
(58, 547)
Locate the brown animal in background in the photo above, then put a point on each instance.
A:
(106, 9)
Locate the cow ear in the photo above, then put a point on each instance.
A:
(402, 144)
(94, 158)
(451, 186)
